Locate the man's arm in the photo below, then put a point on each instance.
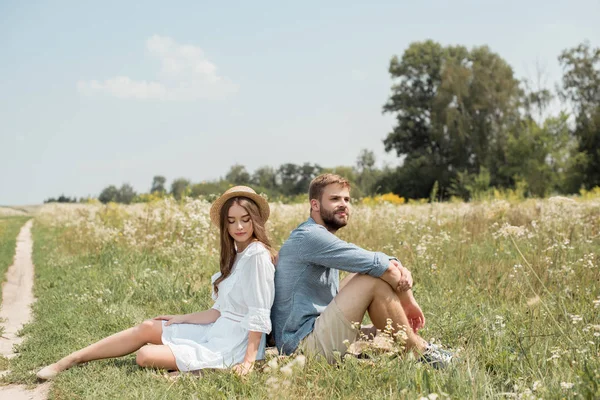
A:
(400, 279)
(318, 246)
(321, 247)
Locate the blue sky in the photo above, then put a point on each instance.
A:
(93, 94)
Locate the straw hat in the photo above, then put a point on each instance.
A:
(239, 191)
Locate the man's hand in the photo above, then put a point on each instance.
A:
(413, 312)
(171, 319)
(405, 281)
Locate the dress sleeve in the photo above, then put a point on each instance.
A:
(212, 291)
(258, 292)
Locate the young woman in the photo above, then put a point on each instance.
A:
(231, 333)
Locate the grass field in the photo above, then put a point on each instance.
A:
(513, 287)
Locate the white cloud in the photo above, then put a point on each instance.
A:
(185, 74)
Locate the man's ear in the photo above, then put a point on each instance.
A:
(314, 205)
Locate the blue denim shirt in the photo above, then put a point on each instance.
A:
(307, 279)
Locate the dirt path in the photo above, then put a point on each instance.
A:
(15, 311)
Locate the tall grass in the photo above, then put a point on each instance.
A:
(512, 286)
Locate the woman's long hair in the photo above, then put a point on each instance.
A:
(228, 244)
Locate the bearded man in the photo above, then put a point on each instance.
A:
(314, 313)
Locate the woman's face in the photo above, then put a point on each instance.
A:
(239, 226)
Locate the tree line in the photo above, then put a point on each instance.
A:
(464, 124)
(284, 183)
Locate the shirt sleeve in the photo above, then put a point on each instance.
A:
(258, 292)
(321, 247)
(214, 296)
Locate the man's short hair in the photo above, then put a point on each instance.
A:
(317, 185)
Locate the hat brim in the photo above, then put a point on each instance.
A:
(261, 202)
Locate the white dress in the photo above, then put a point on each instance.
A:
(244, 300)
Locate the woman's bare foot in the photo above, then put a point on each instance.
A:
(49, 372)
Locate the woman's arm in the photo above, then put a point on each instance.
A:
(253, 342)
(200, 318)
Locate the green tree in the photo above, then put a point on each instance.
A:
(307, 172)
(238, 175)
(108, 194)
(125, 194)
(180, 188)
(61, 199)
(287, 177)
(581, 87)
(265, 177)
(209, 189)
(158, 184)
(294, 179)
(453, 108)
(366, 173)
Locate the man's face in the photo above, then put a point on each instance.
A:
(335, 206)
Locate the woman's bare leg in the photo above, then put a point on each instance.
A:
(156, 357)
(117, 345)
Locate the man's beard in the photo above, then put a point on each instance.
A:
(332, 221)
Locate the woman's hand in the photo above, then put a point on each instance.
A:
(243, 368)
(172, 319)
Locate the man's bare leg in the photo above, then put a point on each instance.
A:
(117, 345)
(361, 293)
(368, 331)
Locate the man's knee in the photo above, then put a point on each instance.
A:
(373, 285)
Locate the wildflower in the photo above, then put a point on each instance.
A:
(533, 301)
(566, 385)
(555, 354)
(273, 382)
(300, 360)
(509, 230)
(576, 319)
(273, 363)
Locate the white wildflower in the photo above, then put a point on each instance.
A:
(272, 363)
(300, 360)
(575, 319)
(533, 301)
(509, 230)
(566, 385)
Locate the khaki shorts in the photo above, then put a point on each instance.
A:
(331, 336)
